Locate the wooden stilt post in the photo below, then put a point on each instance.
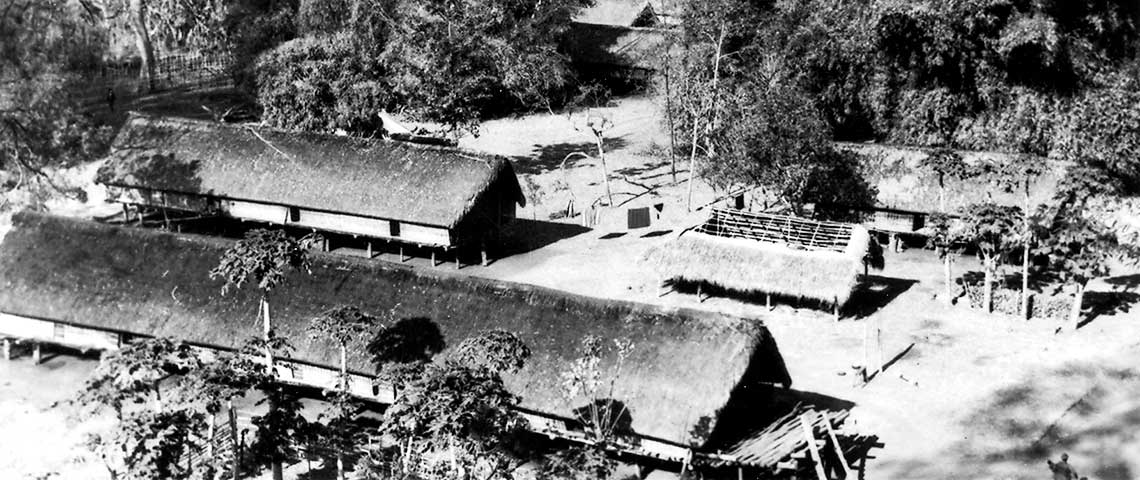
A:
(37, 354)
(402, 253)
(835, 306)
(433, 258)
(483, 253)
(700, 299)
(7, 348)
(812, 447)
(369, 249)
(457, 265)
(768, 301)
(879, 345)
(866, 357)
(847, 474)
(739, 473)
(126, 213)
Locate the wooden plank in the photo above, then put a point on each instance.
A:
(836, 446)
(810, 437)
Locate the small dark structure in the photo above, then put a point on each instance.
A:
(772, 254)
(379, 189)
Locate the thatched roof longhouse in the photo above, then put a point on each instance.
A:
(772, 254)
(372, 178)
(685, 367)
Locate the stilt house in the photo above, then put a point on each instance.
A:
(95, 286)
(380, 189)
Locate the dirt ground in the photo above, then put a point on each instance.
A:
(965, 395)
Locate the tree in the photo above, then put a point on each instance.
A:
(585, 379)
(342, 325)
(458, 61)
(942, 239)
(217, 383)
(458, 415)
(144, 443)
(265, 257)
(1078, 250)
(946, 163)
(992, 229)
(1017, 176)
(44, 47)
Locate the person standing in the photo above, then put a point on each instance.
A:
(1062, 470)
(111, 99)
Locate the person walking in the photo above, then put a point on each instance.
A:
(1062, 470)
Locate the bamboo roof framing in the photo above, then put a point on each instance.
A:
(794, 232)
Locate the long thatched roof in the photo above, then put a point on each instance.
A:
(772, 254)
(685, 367)
(367, 177)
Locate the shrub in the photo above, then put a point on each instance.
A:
(1008, 301)
(321, 83)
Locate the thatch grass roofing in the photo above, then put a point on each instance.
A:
(368, 177)
(685, 366)
(768, 254)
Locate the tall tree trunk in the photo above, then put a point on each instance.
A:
(236, 468)
(988, 293)
(941, 194)
(1075, 314)
(949, 280)
(669, 116)
(1025, 258)
(692, 164)
(599, 138)
(714, 95)
(344, 385)
(212, 451)
(142, 42)
(267, 332)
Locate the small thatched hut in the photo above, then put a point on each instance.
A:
(772, 254)
(383, 189)
(93, 285)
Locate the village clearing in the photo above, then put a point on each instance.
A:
(969, 396)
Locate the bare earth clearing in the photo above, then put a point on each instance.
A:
(974, 396)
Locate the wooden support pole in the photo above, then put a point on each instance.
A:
(457, 265)
(812, 447)
(402, 253)
(483, 253)
(835, 306)
(700, 299)
(847, 474)
(7, 347)
(879, 344)
(768, 301)
(236, 467)
(126, 213)
(369, 249)
(37, 354)
(433, 258)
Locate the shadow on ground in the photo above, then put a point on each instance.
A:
(874, 293)
(524, 235)
(547, 158)
(1089, 411)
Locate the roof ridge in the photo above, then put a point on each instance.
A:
(460, 151)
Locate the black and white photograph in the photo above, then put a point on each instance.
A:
(569, 239)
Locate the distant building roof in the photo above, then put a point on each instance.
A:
(367, 177)
(615, 46)
(685, 366)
